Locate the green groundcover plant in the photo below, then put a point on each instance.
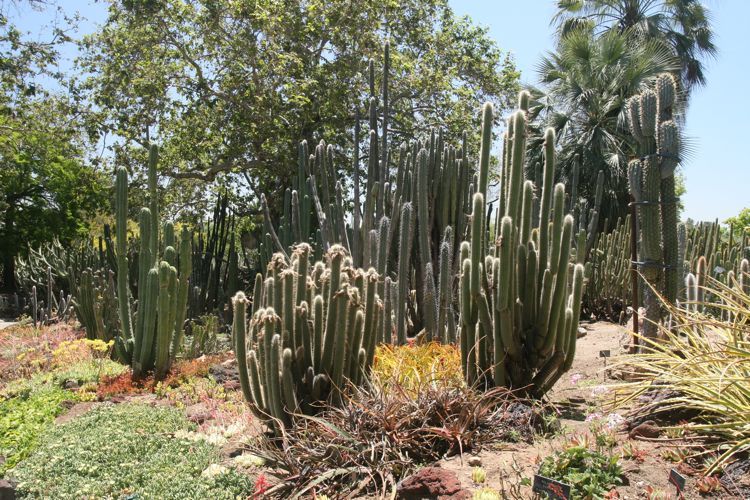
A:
(127, 451)
(24, 418)
(590, 473)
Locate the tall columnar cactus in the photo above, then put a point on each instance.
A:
(429, 176)
(652, 185)
(607, 278)
(313, 329)
(150, 338)
(520, 304)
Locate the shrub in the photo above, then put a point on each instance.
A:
(127, 450)
(409, 367)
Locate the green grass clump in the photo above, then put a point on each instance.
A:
(590, 473)
(127, 450)
(24, 418)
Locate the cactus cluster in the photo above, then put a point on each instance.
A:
(95, 304)
(150, 338)
(705, 253)
(216, 275)
(520, 303)
(313, 328)
(405, 217)
(607, 288)
(53, 309)
(652, 185)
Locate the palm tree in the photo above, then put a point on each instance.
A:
(585, 85)
(682, 25)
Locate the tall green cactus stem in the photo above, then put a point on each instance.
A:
(162, 295)
(280, 381)
(404, 271)
(667, 144)
(123, 293)
(186, 269)
(652, 185)
(153, 201)
(519, 308)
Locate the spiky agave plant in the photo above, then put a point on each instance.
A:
(702, 364)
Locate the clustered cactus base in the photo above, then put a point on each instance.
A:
(313, 330)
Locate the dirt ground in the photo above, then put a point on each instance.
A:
(575, 396)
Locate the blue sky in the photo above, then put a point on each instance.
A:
(717, 173)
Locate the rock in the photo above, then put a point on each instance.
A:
(197, 413)
(232, 449)
(474, 462)
(581, 332)
(232, 385)
(736, 478)
(68, 403)
(7, 490)
(225, 372)
(433, 483)
(71, 385)
(647, 429)
(650, 408)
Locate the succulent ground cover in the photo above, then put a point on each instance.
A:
(127, 450)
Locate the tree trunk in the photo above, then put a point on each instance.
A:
(9, 273)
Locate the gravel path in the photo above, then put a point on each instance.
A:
(6, 324)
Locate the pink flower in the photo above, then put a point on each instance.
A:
(615, 420)
(599, 390)
(575, 378)
(593, 416)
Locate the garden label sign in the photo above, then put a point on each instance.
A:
(678, 480)
(553, 489)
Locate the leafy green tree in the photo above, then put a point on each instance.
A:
(585, 85)
(740, 222)
(231, 87)
(47, 189)
(682, 25)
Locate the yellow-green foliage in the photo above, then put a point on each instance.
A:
(705, 363)
(412, 366)
(24, 418)
(486, 494)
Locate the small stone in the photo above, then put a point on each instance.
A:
(474, 461)
(647, 429)
(197, 413)
(232, 385)
(7, 490)
(581, 332)
(71, 385)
